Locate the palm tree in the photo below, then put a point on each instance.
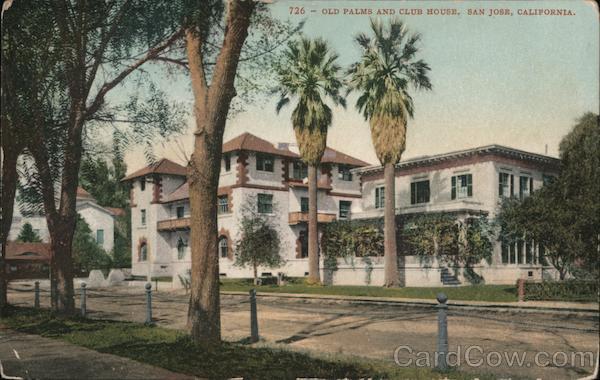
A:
(382, 77)
(310, 74)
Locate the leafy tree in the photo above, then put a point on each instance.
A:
(28, 235)
(103, 180)
(311, 74)
(564, 215)
(258, 244)
(87, 254)
(382, 76)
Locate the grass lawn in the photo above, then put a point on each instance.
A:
(491, 293)
(173, 350)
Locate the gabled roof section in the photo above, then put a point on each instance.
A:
(336, 157)
(495, 149)
(250, 142)
(163, 166)
(247, 141)
(116, 211)
(181, 193)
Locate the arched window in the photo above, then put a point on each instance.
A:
(143, 251)
(180, 249)
(223, 247)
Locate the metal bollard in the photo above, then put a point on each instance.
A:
(83, 299)
(253, 317)
(36, 298)
(148, 303)
(442, 344)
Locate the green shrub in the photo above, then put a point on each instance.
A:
(570, 290)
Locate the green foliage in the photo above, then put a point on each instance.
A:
(87, 254)
(310, 73)
(258, 244)
(28, 235)
(430, 235)
(348, 239)
(103, 180)
(570, 290)
(382, 76)
(564, 215)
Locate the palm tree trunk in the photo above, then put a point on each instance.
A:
(313, 231)
(254, 267)
(390, 253)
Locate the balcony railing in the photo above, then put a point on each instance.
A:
(302, 217)
(173, 224)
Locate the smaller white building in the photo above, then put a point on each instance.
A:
(100, 219)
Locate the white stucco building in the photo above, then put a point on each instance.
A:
(465, 183)
(100, 219)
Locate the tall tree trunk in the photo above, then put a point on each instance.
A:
(313, 229)
(204, 320)
(255, 274)
(211, 106)
(9, 186)
(61, 267)
(390, 253)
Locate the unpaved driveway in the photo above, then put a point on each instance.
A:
(374, 331)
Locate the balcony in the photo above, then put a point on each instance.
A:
(302, 217)
(173, 224)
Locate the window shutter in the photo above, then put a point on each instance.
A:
(470, 185)
(530, 185)
(500, 189)
(413, 193)
(453, 196)
(512, 185)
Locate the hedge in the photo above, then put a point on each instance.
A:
(570, 290)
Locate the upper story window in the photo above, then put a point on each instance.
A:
(100, 237)
(142, 183)
(180, 249)
(379, 197)
(419, 192)
(462, 186)
(143, 216)
(506, 185)
(304, 204)
(265, 203)
(264, 162)
(227, 161)
(223, 247)
(299, 170)
(345, 207)
(222, 204)
(525, 186)
(180, 211)
(344, 172)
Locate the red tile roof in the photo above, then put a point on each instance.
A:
(181, 193)
(164, 166)
(82, 194)
(28, 251)
(116, 211)
(249, 142)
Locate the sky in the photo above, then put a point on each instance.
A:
(515, 80)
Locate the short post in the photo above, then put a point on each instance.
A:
(253, 317)
(442, 344)
(83, 300)
(36, 296)
(280, 276)
(148, 303)
(521, 289)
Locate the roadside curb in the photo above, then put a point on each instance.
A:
(399, 302)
